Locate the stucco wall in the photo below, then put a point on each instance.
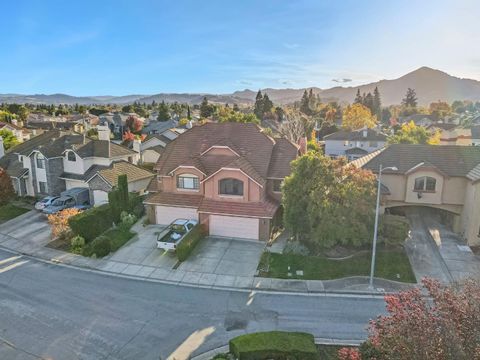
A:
(412, 196)
(251, 190)
(470, 217)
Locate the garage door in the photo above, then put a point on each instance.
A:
(166, 214)
(100, 197)
(231, 226)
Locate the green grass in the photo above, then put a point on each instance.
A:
(388, 265)
(118, 237)
(10, 211)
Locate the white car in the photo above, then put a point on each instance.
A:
(169, 238)
(46, 201)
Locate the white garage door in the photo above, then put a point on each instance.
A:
(231, 226)
(100, 197)
(166, 214)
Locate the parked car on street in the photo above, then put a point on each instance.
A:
(173, 234)
(46, 201)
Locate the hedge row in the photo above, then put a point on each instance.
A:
(186, 246)
(91, 223)
(276, 345)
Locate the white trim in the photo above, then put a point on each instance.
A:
(235, 215)
(233, 169)
(186, 167)
(219, 147)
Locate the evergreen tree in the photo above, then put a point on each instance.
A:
(267, 104)
(258, 109)
(235, 107)
(410, 99)
(368, 102)
(304, 103)
(377, 104)
(163, 112)
(206, 110)
(189, 116)
(312, 101)
(358, 98)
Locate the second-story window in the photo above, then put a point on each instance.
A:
(425, 183)
(189, 182)
(40, 161)
(71, 156)
(230, 187)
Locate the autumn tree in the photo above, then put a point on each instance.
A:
(410, 133)
(296, 126)
(357, 116)
(440, 109)
(443, 325)
(7, 192)
(59, 221)
(327, 202)
(9, 139)
(134, 124)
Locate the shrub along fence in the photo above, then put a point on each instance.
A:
(276, 345)
(186, 246)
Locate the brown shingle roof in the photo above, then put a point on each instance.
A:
(283, 153)
(264, 209)
(133, 172)
(172, 199)
(453, 160)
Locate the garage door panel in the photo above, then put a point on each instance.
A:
(235, 227)
(166, 214)
(100, 197)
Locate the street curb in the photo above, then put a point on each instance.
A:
(325, 293)
(207, 355)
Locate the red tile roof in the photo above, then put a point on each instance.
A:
(264, 209)
(173, 199)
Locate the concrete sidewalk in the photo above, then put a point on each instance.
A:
(352, 285)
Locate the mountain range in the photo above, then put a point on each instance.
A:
(429, 84)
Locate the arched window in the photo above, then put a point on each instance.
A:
(71, 156)
(425, 183)
(230, 187)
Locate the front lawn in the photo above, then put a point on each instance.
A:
(389, 264)
(11, 211)
(118, 237)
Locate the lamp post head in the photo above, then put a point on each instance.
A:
(393, 168)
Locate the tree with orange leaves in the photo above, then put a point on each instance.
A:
(59, 221)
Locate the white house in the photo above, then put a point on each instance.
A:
(353, 144)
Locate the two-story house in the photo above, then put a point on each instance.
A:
(440, 177)
(227, 176)
(353, 144)
(56, 161)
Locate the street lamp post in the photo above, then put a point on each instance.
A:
(377, 210)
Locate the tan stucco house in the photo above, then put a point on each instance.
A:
(442, 177)
(227, 176)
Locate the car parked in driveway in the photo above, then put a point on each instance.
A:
(61, 203)
(46, 201)
(173, 234)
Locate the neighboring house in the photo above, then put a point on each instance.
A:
(56, 161)
(353, 144)
(20, 133)
(446, 178)
(227, 176)
(475, 130)
(158, 127)
(419, 119)
(451, 134)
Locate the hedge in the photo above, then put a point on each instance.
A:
(186, 246)
(91, 223)
(276, 345)
(393, 229)
(100, 247)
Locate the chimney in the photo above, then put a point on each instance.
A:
(137, 145)
(2, 148)
(14, 122)
(103, 132)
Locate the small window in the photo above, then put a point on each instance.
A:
(42, 187)
(189, 182)
(231, 187)
(40, 162)
(277, 185)
(425, 183)
(71, 156)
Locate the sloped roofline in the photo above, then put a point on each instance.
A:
(234, 169)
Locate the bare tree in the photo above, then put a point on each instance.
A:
(296, 126)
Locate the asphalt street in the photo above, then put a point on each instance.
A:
(49, 311)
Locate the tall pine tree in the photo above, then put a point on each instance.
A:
(410, 99)
(304, 103)
(377, 104)
(267, 104)
(258, 110)
(358, 98)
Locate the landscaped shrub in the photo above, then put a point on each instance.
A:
(99, 247)
(393, 229)
(276, 345)
(77, 244)
(186, 246)
(60, 221)
(127, 220)
(91, 223)
(136, 206)
(296, 247)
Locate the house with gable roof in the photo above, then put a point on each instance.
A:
(227, 176)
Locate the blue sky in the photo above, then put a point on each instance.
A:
(146, 47)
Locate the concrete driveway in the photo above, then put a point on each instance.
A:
(142, 249)
(225, 257)
(29, 227)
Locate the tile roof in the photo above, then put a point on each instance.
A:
(357, 135)
(264, 209)
(256, 151)
(356, 151)
(175, 199)
(453, 160)
(92, 170)
(474, 174)
(133, 172)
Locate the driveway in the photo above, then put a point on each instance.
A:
(225, 257)
(142, 249)
(29, 227)
(437, 252)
